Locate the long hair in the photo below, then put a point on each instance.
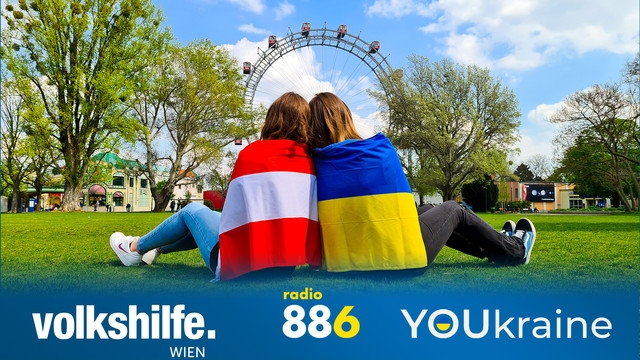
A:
(331, 121)
(287, 118)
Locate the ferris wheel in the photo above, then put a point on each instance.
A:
(316, 60)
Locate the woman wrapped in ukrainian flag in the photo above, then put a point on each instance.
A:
(367, 212)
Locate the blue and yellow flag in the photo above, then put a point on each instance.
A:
(366, 209)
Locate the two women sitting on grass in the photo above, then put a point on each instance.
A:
(363, 204)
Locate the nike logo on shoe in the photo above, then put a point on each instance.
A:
(120, 246)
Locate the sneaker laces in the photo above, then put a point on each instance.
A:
(519, 234)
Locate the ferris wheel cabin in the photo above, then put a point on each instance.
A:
(273, 42)
(305, 29)
(246, 68)
(342, 30)
(374, 47)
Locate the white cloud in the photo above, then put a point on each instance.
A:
(250, 29)
(522, 34)
(303, 73)
(256, 6)
(533, 142)
(537, 133)
(468, 49)
(284, 9)
(397, 8)
(367, 126)
(541, 114)
(298, 72)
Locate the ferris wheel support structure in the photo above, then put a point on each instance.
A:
(315, 37)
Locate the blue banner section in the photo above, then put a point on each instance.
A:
(320, 324)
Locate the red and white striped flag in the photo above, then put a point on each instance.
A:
(270, 215)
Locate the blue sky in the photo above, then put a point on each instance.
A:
(542, 49)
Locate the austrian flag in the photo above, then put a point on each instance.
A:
(270, 215)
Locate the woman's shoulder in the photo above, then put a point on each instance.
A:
(275, 146)
(374, 141)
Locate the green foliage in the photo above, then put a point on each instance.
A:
(82, 58)
(457, 119)
(218, 172)
(601, 124)
(481, 192)
(588, 168)
(160, 185)
(15, 143)
(208, 203)
(516, 205)
(193, 95)
(524, 173)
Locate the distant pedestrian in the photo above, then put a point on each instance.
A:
(173, 205)
(95, 205)
(128, 207)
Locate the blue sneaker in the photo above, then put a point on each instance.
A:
(508, 228)
(525, 231)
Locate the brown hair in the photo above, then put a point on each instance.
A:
(287, 118)
(331, 120)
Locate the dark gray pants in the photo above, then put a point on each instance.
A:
(459, 228)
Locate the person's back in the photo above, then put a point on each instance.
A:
(366, 208)
(269, 217)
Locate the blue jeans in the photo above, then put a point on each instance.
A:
(193, 226)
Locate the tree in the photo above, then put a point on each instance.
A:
(194, 98)
(15, 145)
(588, 168)
(524, 173)
(219, 171)
(83, 59)
(457, 117)
(41, 157)
(605, 118)
(481, 194)
(417, 167)
(540, 167)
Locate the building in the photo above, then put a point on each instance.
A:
(188, 188)
(122, 182)
(545, 196)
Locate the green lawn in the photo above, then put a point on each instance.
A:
(70, 252)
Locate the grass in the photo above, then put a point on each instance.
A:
(69, 252)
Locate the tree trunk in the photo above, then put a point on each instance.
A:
(71, 198)
(163, 199)
(75, 171)
(38, 196)
(15, 198)
(623, 198)
(635, 186)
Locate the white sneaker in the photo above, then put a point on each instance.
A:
(120, 245)
(150, 256)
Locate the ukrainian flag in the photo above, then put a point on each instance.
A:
(366, 209)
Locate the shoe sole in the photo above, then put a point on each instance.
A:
(533, 230)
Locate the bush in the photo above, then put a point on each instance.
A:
(479, 193)
(208, 203)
